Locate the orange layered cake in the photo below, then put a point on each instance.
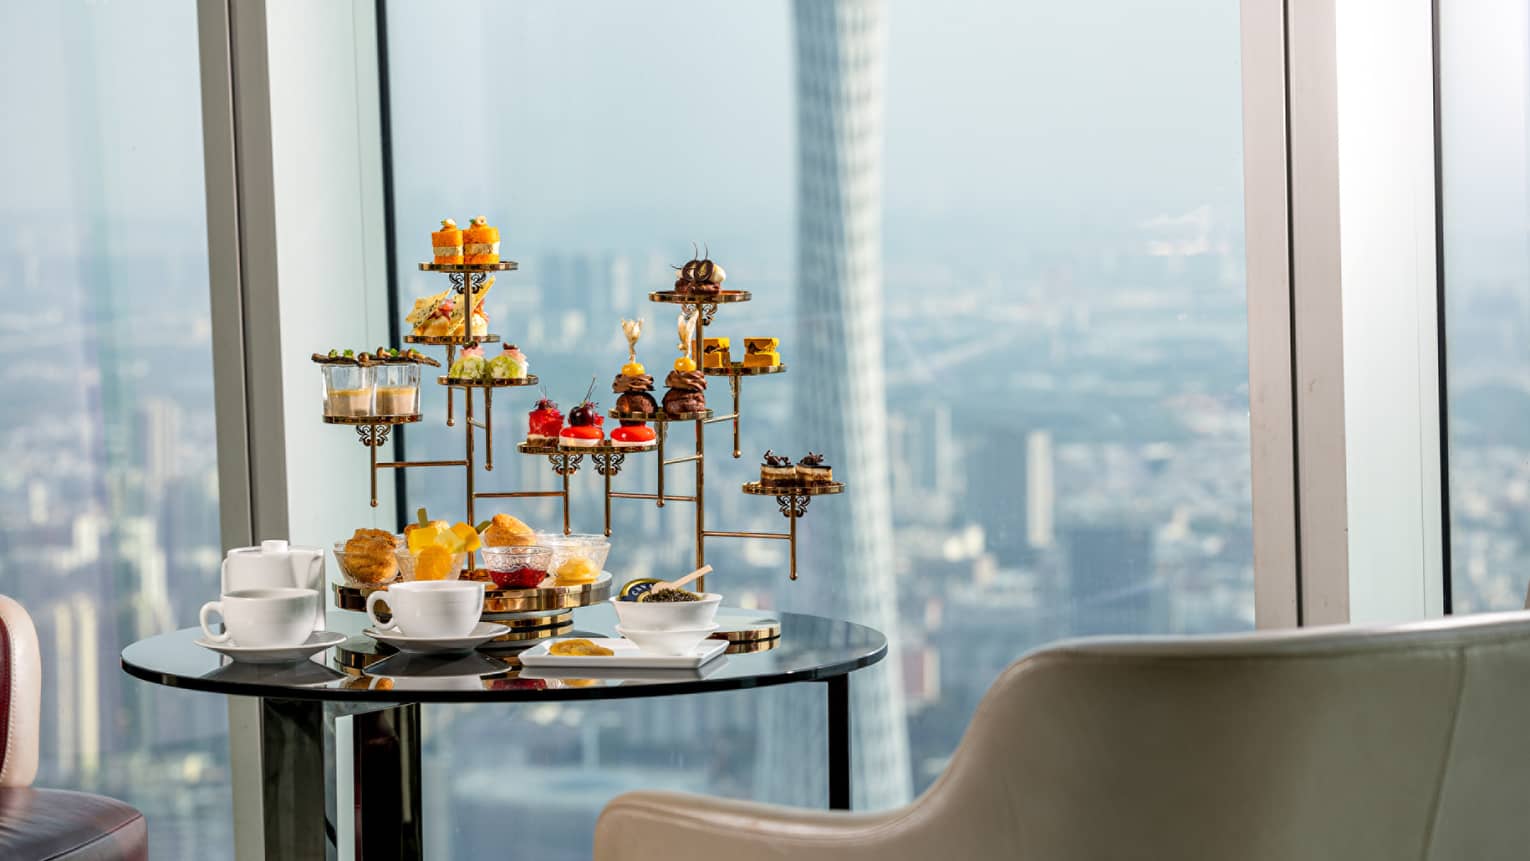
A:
(480, 242)
(446, 243)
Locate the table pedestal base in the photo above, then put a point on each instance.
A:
(299, 789)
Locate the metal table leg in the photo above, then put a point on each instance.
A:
(386, 765)
(839, 742)
(292, 765)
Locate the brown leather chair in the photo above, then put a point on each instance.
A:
(47, 823)
(1353, 743)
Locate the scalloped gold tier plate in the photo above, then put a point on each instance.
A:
(660, 418)
(734, 369)
(605, 448)
(348, 597)
(451, 340)
(754, 488)
(672, 297)
(372, 420)
(465, 383)
(501, 266)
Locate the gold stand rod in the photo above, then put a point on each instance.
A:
(478, 424)
(784, 536)
(488, 429)
(467, 410)
(701, 447)
(734, 384)
(663, 431)
(404, 464)
(617, 494)
(451, 357)
(566, 529)
(687, 459)
(607, 474)
(519, 494)
(719, 419)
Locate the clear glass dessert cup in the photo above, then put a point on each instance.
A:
(398, 390)
(348, 390)
(353, 569)
(507, 566)
(589, 546)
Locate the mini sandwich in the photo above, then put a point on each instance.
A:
(715, 353)
(761, 352)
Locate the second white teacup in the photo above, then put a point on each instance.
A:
(430, 608)
(260, 618)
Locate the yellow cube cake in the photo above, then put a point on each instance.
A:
(715, 353)
(761, 352)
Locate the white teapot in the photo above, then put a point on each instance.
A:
(274, 565)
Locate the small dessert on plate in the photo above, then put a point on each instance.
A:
(446, 243)
(761, 352)
(507, 531)
(715, 352)
(633, 384)
(544, 422)
(700, 276)
(471, 365)
(812, 470)
(584, 424)
(523, 567)
(578, 646)
(436, 549)
(777, 469)
(510, 364)
(480, 242)
(437, 316)
(633, 436)
(687, 386)
(368, 557)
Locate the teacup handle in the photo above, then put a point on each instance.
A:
(372, 600)
(213, 607)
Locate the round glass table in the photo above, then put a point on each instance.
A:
(380, 691)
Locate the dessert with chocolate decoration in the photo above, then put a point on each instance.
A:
(700, 276)
(584, 424)
(634, 384)
(812, 470)
(544, 422)
(777, 470)
(687, 386)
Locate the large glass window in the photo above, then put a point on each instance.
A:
(1002, 247)
(109, 505)
(1485, 166)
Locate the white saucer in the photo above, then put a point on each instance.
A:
(318, 641)
(483, 633)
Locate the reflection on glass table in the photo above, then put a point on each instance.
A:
(380, 690)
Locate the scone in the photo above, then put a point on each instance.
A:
(370, 556)
(507, 531)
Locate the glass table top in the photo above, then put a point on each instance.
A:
(810, 648)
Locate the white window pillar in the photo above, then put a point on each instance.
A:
(1353, 457)
(297, 261)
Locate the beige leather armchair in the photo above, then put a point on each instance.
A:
(1362, 744)
(47, 823)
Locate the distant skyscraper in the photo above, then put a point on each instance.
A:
(841, 394)
(1039, 497)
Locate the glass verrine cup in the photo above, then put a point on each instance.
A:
(348, 390)
(398, 389)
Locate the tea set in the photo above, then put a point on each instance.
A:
(272, 611)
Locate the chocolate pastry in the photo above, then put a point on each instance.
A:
(687, 393)
(635, 398)
(700, 276)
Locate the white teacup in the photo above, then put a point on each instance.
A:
(430, 608)
(260, 618)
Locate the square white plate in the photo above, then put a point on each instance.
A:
(626, 654)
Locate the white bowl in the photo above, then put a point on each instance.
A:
(668, 615)
(673, 642)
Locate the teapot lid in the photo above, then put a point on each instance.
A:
(273, 545)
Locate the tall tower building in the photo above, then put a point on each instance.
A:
(841, 396)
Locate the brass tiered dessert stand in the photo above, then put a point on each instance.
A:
(545, 612)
